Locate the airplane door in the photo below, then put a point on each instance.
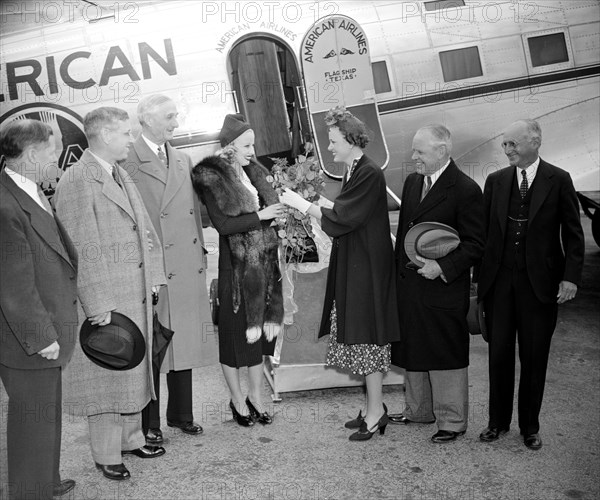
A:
(337, 71)
(257, 81)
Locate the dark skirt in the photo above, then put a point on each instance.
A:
(234, 349)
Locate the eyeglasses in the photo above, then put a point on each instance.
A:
(509, 144)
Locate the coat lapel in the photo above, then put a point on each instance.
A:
(438, 192)
(503, 188)
(110, 188)
(542, 184)
(148, 161)
(41, 221)
(175, 176)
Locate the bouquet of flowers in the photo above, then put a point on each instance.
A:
(305, 178)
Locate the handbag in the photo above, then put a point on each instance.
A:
(214, 301)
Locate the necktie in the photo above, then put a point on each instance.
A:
(426, 186)
(45, 202)
(524, 185)
(115, 176)
(162, 157)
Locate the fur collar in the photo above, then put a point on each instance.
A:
(213, 176)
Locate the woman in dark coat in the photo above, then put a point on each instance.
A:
(360, 306)
(241, 205)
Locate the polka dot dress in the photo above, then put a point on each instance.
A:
(360, 359)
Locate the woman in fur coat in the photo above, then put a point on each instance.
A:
(242, 205)
(360, 310)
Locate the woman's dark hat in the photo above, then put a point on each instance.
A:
(430, 240)
(119, 345)
(233, 127)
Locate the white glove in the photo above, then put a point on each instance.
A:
(294, 200)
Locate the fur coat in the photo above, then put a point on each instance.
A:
(256, 275)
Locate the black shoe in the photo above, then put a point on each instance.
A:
(117, 472)
(187, 427)
(63, 488)
(364, 434)
(262, 418)
(399, 418)
(154, 437)
(243, 420)
(533, 441)
(492, 433)
(446, 436)
(357, 422)
(146, 452)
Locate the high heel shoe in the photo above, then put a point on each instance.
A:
(243, 420)
(364, 433)
(357, 422)
(262, 418)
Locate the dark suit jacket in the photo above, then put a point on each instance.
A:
(433, 326)
(38, 288)
(361, 268)
(554, 247)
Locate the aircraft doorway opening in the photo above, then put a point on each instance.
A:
(264, 74)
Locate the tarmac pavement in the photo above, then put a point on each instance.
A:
(305, 453)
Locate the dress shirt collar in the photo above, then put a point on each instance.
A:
(25, 184)
(154, 147)
(103, 163)
(530, 172)
(435, 176)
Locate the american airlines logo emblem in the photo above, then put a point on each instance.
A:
(343, 52)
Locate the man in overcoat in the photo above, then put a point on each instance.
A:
(532, 262)
(162, 175)
(120, 259)
(433, 301)
(38, 301)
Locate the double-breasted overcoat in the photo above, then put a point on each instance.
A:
(174, 210)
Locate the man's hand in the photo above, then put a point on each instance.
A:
(150, 243)
(431, 270)
(50, 352)
(100, 319)
(566, 291)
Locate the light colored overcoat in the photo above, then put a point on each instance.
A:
(110, 229)
(174, 209)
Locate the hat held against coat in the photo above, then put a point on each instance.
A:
(430, 240)
(234, 125)
(434, 240)
(119, 345)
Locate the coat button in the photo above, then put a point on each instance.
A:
(71, 278)
(200, 271)
(163, 215)
(170, 275)
(144, 300)
(191, 211)
(134, 227)
(195, 240)
(411, 224)
(141, 265)
(74, 301)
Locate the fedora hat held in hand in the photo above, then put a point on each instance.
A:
(430, 240)
(119, 345)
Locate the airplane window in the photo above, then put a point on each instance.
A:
(548, 49)
(460, 64)
(443, 4)
(381, 77)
